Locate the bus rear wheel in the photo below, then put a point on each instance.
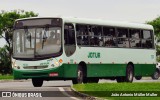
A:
(138, 77)
(156, 75)
(120, 79)
(129, 73)
(92, 80)
(80, 75)
(37, 82)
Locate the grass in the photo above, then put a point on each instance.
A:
(105, 90)
(6, 77)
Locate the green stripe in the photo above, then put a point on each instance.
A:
(93, 70)
(112, 70)
(144, 69)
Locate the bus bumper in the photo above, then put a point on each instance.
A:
(65, 71)
(45, 73)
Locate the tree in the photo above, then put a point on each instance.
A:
(6, 26)
(4, 61)
(156, 24)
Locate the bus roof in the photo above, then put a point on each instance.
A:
(100, 22)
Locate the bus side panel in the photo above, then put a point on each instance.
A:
(137, 70)
(144, 69)
(113, 70)
(106, 70)
(148, 69)
(70, 70)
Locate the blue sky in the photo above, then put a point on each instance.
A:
(120, 10)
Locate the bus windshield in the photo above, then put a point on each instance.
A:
(36, 42)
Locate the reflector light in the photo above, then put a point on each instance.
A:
(60, 60)
(53, 74)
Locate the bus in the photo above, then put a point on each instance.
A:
(82, 50)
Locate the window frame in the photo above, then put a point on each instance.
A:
(75, 39)
(115, 28)
(152, 38)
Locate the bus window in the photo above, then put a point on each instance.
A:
(122, 37)
(82, 35)
(109, 37)
(146, 39)
(135, 41)
(96, 36)
(69, 39)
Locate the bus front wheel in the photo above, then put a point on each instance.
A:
(37, 82)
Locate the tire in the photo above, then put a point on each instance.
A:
(85, 80)
(155, 76)
(113, 78)
(120, 79)
(80, 76)
(92, 80)
(129, 73)
(37, 82)
(138, 77)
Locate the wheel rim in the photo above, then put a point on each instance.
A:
(80, 76)
(130, 75)
(156, 75)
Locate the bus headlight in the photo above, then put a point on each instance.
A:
(56, 64)
(15, 66)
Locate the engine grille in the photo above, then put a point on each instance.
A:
(35, 67)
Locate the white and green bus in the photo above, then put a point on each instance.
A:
(81, 50)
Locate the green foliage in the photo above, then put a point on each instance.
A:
(6, 77)
(156, 24)
(6, 27)
(154, 86)
(105, 90)
(7, 20)
(158, 52)
(4, 61)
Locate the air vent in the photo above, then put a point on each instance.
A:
(35, 67)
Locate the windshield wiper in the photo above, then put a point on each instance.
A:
(28, 34)
(45, 34)
(44, 39)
